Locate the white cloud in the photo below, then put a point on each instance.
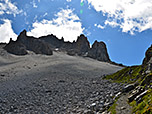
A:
(68, 0)
(9, 8)
(99, 26)
(66, 24)
(130, 15)
(6, 31)
(34, 4)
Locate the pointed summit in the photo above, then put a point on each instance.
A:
(22, 36)
(82, 45)
(23, 33)
(99, 51)
(148, 55)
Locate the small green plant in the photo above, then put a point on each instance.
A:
(112, 109)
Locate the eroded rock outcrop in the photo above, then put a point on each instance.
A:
(148, 55)
(99, 52)
(45, 45)
(148, 59)
(79, 47)
(82, 45)
(25, 42)
(16, 48)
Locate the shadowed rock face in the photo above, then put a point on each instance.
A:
(82, 45)
(148, 55)
(45, 44)
(99, 52)
(29, 43)
(16, 48)
(148, 59)
(53, 40)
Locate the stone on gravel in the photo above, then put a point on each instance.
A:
(128, 88)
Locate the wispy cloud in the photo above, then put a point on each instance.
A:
(34, 4)
(6, 31)
(99, 26)
(7, 7)
(129, 15)
(66, 24)
(68, 0)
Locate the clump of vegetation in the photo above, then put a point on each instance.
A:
(127, 75)
(112, 109)
(145, 107)
(131, 75)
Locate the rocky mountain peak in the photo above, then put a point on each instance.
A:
(81, 38)
(45, 45)
(148, 55)
(24, 43)
(23, 33)
(82, 45)
(22, 36)
(148, 59)
(99, 51)
(97, 44)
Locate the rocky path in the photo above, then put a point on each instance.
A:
(59, 84)
(122, 105)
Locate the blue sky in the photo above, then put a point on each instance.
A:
(125, 26)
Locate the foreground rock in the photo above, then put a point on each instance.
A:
(57, 84)
(60, 96)
(139, 88)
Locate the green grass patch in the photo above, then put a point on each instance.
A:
(145, 107)
(112, 108)
(127, 75)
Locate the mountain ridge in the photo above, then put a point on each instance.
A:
(47, 44)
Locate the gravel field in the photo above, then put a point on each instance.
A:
(57, 84)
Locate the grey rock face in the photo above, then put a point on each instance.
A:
(82, 45)
(25, 42)
(99, 52)
(148, 55)
(148, 60)
(16, 48)
(35, 45)
(45, 44)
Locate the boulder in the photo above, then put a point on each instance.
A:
(128, 88)
(71, 52)
(138, 99)
(99, 52)
(135, 93)
(16, 48)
